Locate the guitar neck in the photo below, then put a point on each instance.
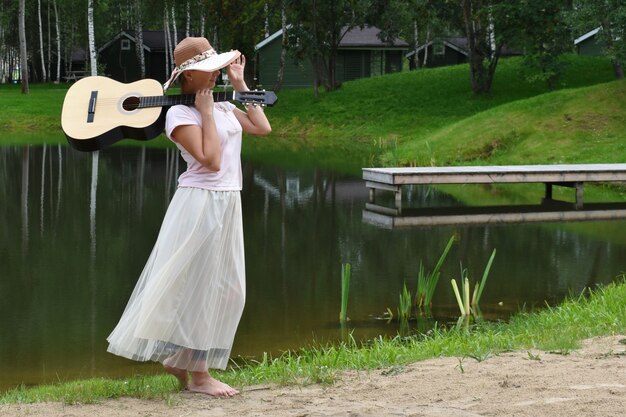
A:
(187, 99)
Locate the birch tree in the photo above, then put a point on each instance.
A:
(283, 48)
(5, 49)
(49, 48)
(169, 59)
(92, 39)
(44, 76)
(202, 20)
(266, 9)
(188, 21)
(23, 51)
(175, 40)
(58, 33)
(139, 38)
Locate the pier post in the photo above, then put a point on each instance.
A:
(579, 195)
(548, 195)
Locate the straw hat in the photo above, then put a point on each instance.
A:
(198, 54)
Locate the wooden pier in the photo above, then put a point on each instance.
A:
(392, 179)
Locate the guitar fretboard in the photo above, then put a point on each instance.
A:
(187, 99)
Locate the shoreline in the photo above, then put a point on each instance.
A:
(588, 381)
(558, 329)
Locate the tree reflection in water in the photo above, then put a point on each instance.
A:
(64, 288)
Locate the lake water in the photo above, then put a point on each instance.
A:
(72, 246)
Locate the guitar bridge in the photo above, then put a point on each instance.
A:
(91, 110)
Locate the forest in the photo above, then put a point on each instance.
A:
(50, 32)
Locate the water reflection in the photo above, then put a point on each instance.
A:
(76, 230)
(547, 211)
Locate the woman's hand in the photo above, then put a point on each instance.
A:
(235, 73)
(204, 101)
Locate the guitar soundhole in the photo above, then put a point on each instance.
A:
(130, 104)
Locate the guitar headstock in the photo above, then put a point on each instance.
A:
(256, 97)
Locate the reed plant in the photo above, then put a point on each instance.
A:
(345, 289)
(427, 283)
(469, 306)
(405, 306)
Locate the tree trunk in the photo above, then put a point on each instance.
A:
(266, 29)
(425, 62)
(129, 15)
(93, 62)
(139, 37)
(478, 42)
(3, 57)
(23, 51)
(216, 39)
(316, 63)
(175, 40)
(618, 69)
(283, 50)
(69, 45)
(416, 43)
(58, 32)
(168, 44)
(331, 73)
(475, 61)
(49, 44)
(44, 76)
(188, 21)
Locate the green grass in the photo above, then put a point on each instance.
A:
(383, 120)
(396, 119)
(582, 125)
(595, 313)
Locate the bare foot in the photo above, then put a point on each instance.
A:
(204, 383)
(181, 374)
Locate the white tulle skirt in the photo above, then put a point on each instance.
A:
(189, 298)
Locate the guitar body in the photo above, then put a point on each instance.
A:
(99, 111)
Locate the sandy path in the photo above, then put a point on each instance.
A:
(587, 382)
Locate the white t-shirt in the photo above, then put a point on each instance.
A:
(229, 177)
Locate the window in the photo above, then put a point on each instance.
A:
(125, 45)
(439, 48)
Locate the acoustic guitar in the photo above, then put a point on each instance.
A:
(98, 111)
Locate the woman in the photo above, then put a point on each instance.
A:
(187, 303)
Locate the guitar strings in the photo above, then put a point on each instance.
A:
(158, 101)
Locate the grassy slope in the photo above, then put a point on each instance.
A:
(388, 120)
(583, 125)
